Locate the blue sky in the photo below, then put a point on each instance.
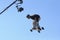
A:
(15, 26)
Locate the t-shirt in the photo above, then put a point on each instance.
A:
(35, 16)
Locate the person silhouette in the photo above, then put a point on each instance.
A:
(36, 18)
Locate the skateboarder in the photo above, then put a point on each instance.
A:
(36, 18)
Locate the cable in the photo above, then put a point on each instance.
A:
(8, 7)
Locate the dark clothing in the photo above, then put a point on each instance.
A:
(35, 16)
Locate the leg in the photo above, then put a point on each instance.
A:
(34, 25)
(39, 28)
(32, 29)
(38, 31)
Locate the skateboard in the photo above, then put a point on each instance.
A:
(37, 28)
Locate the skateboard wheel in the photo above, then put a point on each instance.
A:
(31, 30)
(42, 28)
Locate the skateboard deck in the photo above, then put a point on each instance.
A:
(37, 28)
